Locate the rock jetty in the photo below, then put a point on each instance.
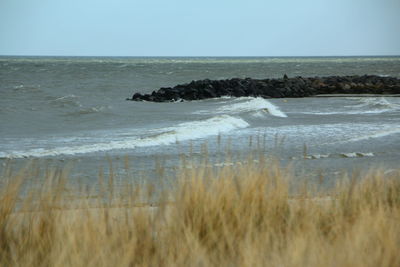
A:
(274, 88)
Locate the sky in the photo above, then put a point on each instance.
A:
(200, 28)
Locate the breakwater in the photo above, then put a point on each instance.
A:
(274, 88)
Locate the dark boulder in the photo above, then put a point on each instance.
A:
(137, 96)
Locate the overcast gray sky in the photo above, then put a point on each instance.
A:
(200, 28)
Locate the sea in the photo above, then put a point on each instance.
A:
(73, 111)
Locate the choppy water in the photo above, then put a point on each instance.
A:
(75, 108)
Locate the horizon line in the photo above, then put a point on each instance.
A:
(224, 56)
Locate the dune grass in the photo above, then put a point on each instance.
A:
(242, 215)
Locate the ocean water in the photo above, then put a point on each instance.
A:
(73, 109)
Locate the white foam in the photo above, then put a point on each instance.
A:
(259, 114)
(349, 155)
(364, 106)
(181, 132)
(377, 134)
(343, 155)
(367, 154)
(377, 103)
(357, 155)
(72, 96)
(68, 100)
(358, 112)
(313, 156)
(249, 104)
(320, 156)
(89, 110)
(253, 104)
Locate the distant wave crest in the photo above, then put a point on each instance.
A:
(376, 134)
(365, 105)
(88, 110)
(65, 101)
(377, 103)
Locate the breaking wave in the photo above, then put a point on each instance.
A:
(181, 132)
(366, 105)
(251, 104)
(377, 134)
(377, 103)
(354, 112)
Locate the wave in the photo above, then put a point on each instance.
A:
(340, 155)
(27, 88)
(251, 104)
(358, 112)
(170, 135)
(377, 103)
(357, 154)
(122, 66)
(89, 110)
(378, 134)
(366, 105)
(68, 100)
(259, 114)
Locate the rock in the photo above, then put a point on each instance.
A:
(136, 96)
(238, 92)
(274, 88)
(346, 86)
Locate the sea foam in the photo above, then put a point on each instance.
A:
(166, 136)
(364, 105)
(377, 134)
(248, 104)
(377, 103)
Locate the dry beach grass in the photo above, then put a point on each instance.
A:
(238, 215)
